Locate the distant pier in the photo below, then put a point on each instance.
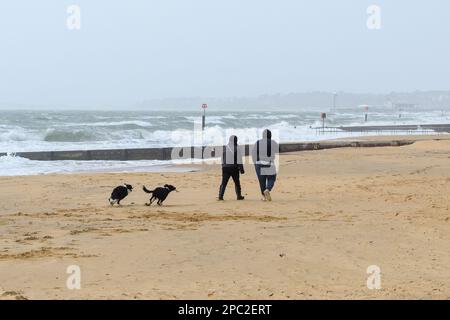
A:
(408, 128)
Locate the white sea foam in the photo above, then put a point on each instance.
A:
(16, 134)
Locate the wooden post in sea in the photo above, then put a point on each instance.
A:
(204, 107)
(323, 115)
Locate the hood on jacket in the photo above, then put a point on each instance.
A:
(267, 134)
(233, 141)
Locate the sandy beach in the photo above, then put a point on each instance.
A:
(334, 213)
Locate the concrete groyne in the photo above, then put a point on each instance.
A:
(191, 152)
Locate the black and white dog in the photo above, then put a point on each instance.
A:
(159, 194)
(119, 193)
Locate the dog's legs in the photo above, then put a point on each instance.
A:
(150, 201)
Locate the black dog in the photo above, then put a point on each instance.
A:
(159, 193)
(119, 193)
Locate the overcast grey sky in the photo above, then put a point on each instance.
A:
(127, 51)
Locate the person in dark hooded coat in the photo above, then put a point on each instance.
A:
(264, 154)
(232, 166)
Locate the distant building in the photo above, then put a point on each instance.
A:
(404, 106)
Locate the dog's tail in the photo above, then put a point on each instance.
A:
(146, 190)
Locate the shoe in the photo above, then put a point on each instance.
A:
(240, 197)
(267, 195)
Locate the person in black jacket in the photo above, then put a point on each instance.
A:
(232, 166)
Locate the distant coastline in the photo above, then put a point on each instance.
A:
(426, 99)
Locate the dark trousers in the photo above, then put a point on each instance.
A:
(228, 172)
(265, 181)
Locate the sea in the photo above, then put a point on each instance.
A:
(46, 130)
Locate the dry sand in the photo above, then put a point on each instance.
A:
(335, 212)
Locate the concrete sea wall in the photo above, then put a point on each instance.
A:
(190, 152)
